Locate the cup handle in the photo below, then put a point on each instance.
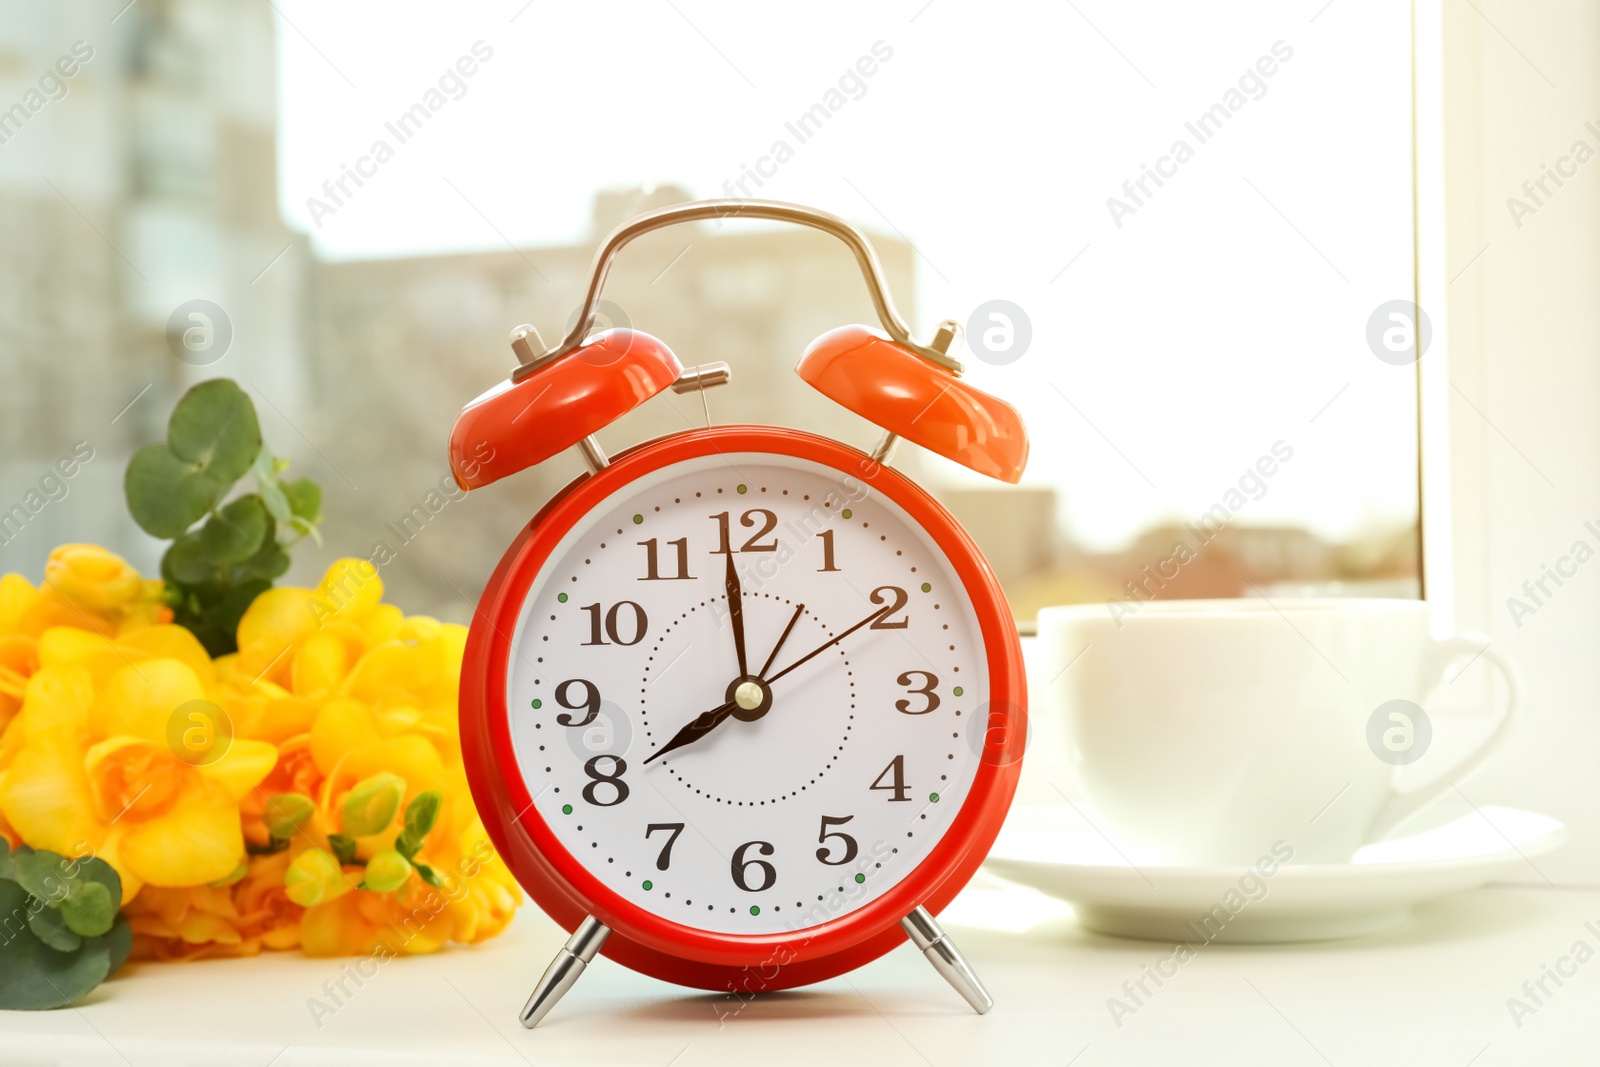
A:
(1462, 646)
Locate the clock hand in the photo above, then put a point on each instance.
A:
(767, 666)
(705, 722)
(876, 615)
(697, 728)
(736, 612)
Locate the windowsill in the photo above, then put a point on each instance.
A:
(1433, 992)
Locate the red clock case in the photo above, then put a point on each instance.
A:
(529, 421)
(646, 942)
(558, 404)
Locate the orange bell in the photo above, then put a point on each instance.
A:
(902, 392)
(525, 421)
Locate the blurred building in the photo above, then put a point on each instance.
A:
(1015, 525)
(1186, 562)
(137, 173)
(404, 343)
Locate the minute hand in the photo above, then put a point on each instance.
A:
(736, 613)
(875, 616)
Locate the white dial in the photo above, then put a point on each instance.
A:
(773, 796)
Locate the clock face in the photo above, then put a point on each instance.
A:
(770, 797)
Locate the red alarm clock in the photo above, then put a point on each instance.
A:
(742, 707)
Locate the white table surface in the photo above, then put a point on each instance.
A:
(1434, 993)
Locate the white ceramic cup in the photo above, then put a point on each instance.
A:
(1203, 731)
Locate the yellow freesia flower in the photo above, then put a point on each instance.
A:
(482, 891)
(94, 580)
(121, 737)
(207, 921)
(98, 769)
(475, 901)
(103, 656)
(411, 922)
(344, 607)
(187, 923)
(266, 914)
(85, 588)
(295, 773)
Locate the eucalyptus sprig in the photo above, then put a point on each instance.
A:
(60, 935)
(213, 570)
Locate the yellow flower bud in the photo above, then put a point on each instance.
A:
(371, 806)
(350, 589)
(276, 621)
(314, 877)
(386, 872)
(286, 813)
(319, 666)
(92, 578)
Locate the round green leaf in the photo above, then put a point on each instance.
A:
(51, 927)
(91, 871)
(88, 890)
(186, 562)
(214, 427)
(89, 909)
(214, 612)
(166, 495)
(119, 941)
(13, 900)
(269, 562)
(305, 498)
(235, 532)
(95, 869)
(226, 612)
(35, 977)
(46, 875)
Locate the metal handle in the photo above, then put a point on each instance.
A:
(774, 210)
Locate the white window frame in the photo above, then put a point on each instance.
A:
(1481, 535)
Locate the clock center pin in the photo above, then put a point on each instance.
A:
(752, 698)
(748, 696)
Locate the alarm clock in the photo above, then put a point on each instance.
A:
(742, 707)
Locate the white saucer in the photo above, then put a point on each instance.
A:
(1053, 849)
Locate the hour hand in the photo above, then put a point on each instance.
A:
(697, 728)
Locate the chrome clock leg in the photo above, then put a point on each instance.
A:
(565, 969)
(926, 933)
